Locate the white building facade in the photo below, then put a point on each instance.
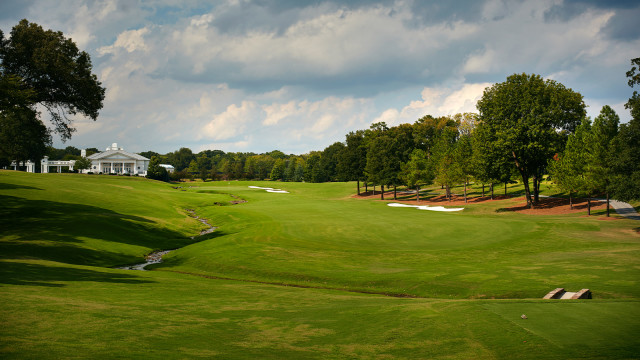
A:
(46, 165)
(114, 160)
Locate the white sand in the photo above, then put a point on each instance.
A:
(426, 207)
(270, 190)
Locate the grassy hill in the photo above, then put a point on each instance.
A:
(309, 274)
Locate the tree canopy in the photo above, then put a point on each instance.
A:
(527, 119)
(42, 67)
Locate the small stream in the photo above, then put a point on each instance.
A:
(156, 257)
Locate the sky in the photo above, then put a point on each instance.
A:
(297, 76)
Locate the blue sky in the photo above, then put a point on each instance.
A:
(298, 75)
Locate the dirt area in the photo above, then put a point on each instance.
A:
(547, 206)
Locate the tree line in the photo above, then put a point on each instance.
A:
(526, 128)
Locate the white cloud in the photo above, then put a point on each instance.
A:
(436, 102)
(232, 122)
(247, 76)
(130, 40)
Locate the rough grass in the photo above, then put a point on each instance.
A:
(60, 298)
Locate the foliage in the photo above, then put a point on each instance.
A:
(625, 162)
(57, 75)
(418, 170)
(22, 135)
(82, 164)
(527, 119)
(634, 79)
(446, 160)
(567, 169)
(155, 171)
(598, 151)
(277, 172)
(353, 159)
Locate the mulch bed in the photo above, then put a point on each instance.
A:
(546, 206)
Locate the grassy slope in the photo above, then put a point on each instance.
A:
(313, 238)
(57, 300)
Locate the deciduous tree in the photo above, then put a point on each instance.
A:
(528, 119)
(55, 72)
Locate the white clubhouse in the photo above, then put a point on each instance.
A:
(114, 160)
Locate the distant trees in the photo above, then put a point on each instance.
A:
(568, 169)
(353, 159)
(603, 157)
(82, 164)
(155, 171)
(418, 171)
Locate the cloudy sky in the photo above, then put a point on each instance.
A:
(297, 76)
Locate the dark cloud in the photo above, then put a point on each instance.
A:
(622, 26)
(14, 9)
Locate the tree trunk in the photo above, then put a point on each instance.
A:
(491, 191)
(570, 201)
(589, 205)
(358, 187)
(607, 204)
(381, 192)
(448, 192)
(374, 189)
(527, 192)
(482, 189)
(536, 190)
(395, 193)
(505, 189)
(417, 193)
(366, 186)
(465, 190)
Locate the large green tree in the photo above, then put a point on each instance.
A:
(53, 70)
(155, 171)
(568, 168)
(353, 159)
(527, 119)
(418, 171)
(599, 153)
(446, 160)
(626, 146)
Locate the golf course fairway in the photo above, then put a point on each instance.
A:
(313, 273)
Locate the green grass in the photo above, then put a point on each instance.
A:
(302, 275)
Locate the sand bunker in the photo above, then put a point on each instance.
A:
(270, 190)
(426, 207)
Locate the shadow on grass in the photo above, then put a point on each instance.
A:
(4, 186)
(19, 273)
(57, 231)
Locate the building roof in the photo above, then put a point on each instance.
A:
(114, 154)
